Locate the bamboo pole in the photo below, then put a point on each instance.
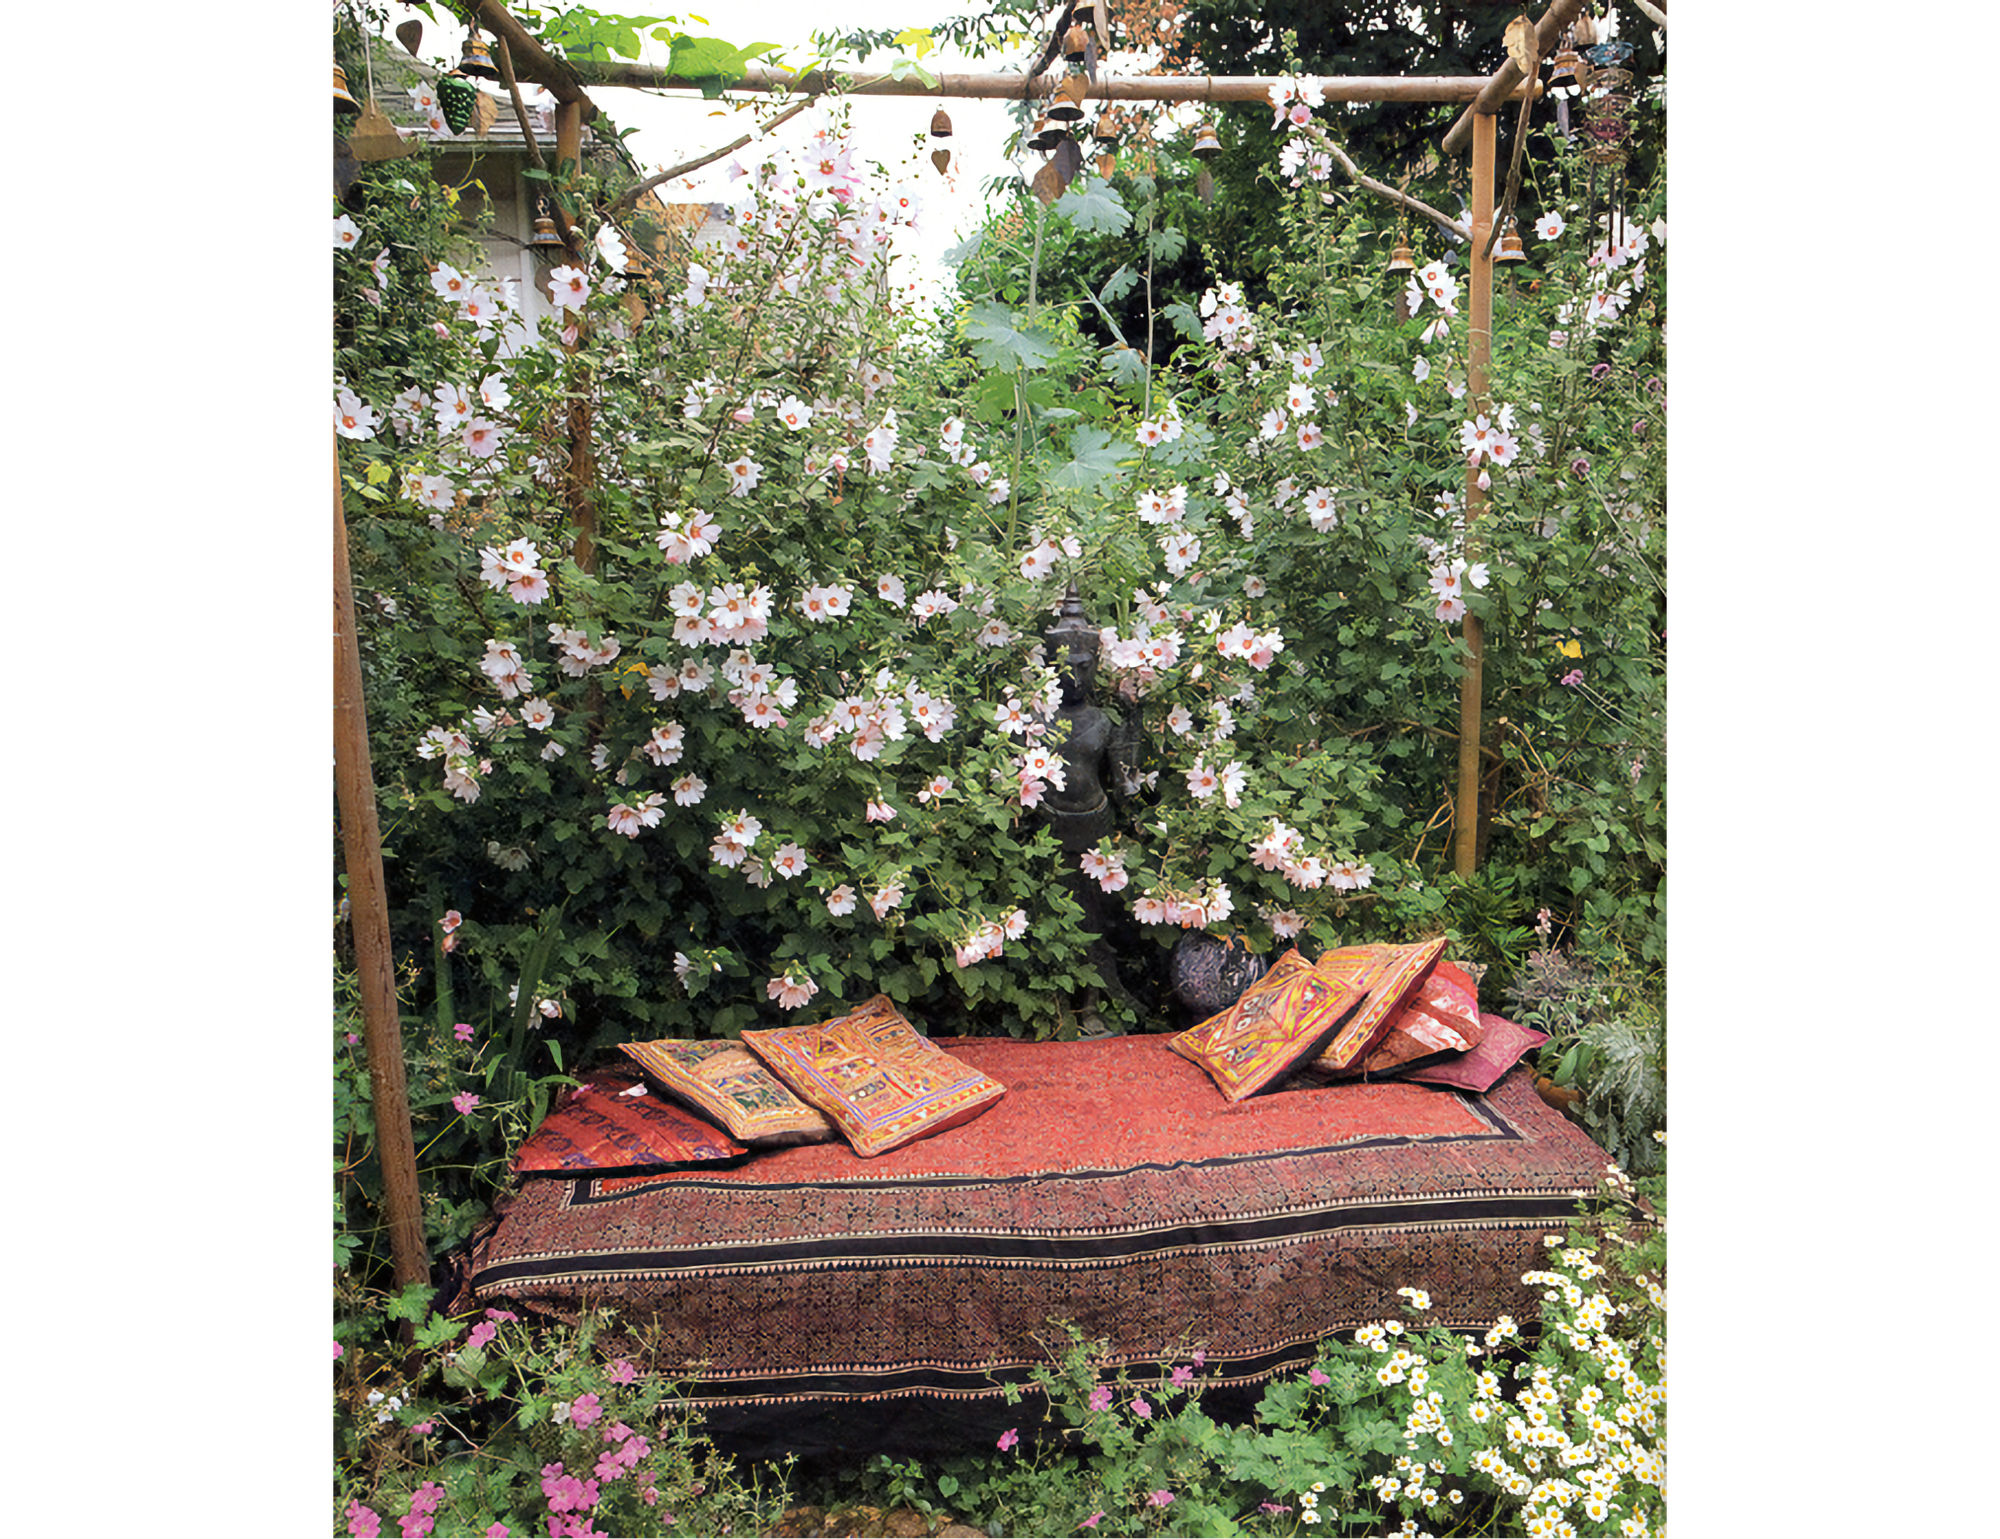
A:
(368, 909)
(534, 63)
(1478, 385)
(580, 482)
(1506, 82)
(1021, 87)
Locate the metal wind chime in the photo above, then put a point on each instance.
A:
(1083, 31)
(1607, 127)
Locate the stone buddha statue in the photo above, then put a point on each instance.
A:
(1098, 758)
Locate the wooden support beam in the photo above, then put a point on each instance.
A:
(533, 62)
(368, 913)
(1016, 87)
(1506, 80)
(1478, 390)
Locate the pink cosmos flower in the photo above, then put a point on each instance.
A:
(482, 1333)
(585, 1410)
(1100, 1400)
(1316, 1377)
(463, 1031)
(1571, 679)
(363, 1522)
(1091, 1521)
(464, 1102)
(1140, 1409)
(1009, 1438)
(1161, 1498)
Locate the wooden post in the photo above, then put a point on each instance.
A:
(1478, 388)
(368, 911)
(580, 495)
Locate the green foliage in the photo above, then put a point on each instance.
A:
(1277, 640)
(1607, 1040)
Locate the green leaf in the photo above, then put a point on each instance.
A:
(714, 63)
(1182, 317)
(1092, 204)
(1118, 285)
(1095, 459)
(1166, 245)
(999, 340)
(412, 1304)
(436, 1331)
(1125, 365)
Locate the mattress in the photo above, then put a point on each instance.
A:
(1112, 1188)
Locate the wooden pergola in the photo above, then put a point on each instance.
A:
(522, 58)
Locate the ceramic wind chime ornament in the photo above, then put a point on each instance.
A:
(941, 129)
(458, 100)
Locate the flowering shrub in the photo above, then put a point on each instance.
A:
(494, 1428)
(773, 714)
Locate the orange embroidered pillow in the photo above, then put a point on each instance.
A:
(1390, 975)
(881, 1083)
(723, 1080)
(1280, 1021)
(1440, 1021)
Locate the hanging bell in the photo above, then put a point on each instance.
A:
(547, 240)
(1206, 145)
(1047, 134)
(940, 125)
(1084, 12)
(1066, 106)
(1510, 246)
(1563, 69)
(342, 100)
(1075, 41)
(478, 59)
(1402, 259)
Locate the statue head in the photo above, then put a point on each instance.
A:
(1071, 646)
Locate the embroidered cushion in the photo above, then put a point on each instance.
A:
(1440, 1021)
(730, 1084)
(1390, 975)
(1479, 1071)
(1280, 1021)
(882, 1083)
(612, 1122)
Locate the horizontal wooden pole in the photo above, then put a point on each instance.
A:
(1159, 88)
(532, 62)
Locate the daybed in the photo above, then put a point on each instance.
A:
(1111, 1187)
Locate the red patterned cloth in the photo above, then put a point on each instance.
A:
(1112, 1187)
(604, 1125)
